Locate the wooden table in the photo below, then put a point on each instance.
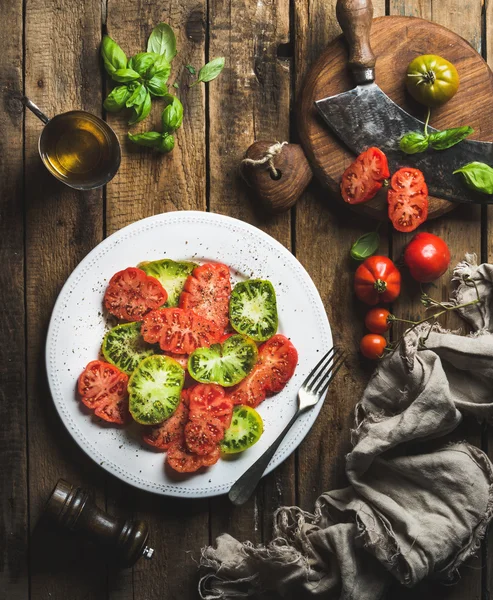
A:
(51, 51)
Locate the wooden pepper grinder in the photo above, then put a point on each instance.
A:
(73, 509)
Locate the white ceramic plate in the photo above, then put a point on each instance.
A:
(78, 325)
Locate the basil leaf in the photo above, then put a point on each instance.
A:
(137, 97)
(162, 67)
(143, 61)
(190, 69)
(113, 56)
(166, 143)
(150, 139)
(116, 98)
(441, 140)
(211, 70)
(175, 85)
(365, 246)
(172, 116)
(157, 85)
(162, 41)
(412, 143)
(478, 176)
(142, 110)
(125, 75)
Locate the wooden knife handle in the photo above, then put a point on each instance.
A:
(355, 17)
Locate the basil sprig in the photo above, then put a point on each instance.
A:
(210, 70)
(365, 246)
(415, 142)
(171, 119)
(478, 176)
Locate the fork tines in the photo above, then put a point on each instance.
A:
(324, 372)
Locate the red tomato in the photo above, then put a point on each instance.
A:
(164, 434)
(377, 320)
(103, 388)
(372, 346)
(362, 180)
(211, 459)
(275, 366)
(178, 330)
(181, 359)
(203, 435)
(209, 401)
(131, 294)
(427, 257)
(376, 280)
(182, 460)
(408, 199)
(207, 291)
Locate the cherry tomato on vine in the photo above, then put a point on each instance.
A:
(372, 346)
(427, 257)
(432, 80)
(377, 320)
(376, 280)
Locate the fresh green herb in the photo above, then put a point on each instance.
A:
(441, 140)
(175, 85)
(125, 75)
(190, 69)
(172, 116)
(412, 143)
(365, 246)
(167, 143)
(141, 110)
(143, 61)
(478, 176)
(113, 56)
(150, 139)
(162, 41)
(117, 98)
(161, 67)
(137, 97)
(210, 71)
(157, 85)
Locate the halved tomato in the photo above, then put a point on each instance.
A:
(179, 330)
(209, 401)
(277, 360)
(365, 176)
(207, 291)
(180, 459)
(103, 388)
(408, 199)
(131, 294)
(172, 430)
(203, 435)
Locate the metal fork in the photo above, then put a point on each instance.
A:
(313, 389)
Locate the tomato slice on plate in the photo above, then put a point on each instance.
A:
(408, 199)
(277, 360)
(203, 435)
(211, 459)
(179, 330)
(365, 176)
(207, 292)
(180, 459)
(209, 401)
(163, 435)
(103, 388)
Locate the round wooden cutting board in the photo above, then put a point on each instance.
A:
(395, 41)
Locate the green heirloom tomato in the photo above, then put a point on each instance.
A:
(226, 364)
(245, 430)
(432, 80)
(171, 275)
(253, 309)
(124, 347)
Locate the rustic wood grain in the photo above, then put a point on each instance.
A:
(61, 73)
(249, 102)
(150, 183)
(396, 41)
(13, 441)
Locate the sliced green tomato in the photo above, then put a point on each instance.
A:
(154, 389)
(171, 275)
(253, 309)
(124, 347)
(245, 430)
(226, 364)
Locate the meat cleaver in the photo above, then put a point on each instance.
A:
(365, 116)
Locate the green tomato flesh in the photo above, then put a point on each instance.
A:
(154, 389)
(253, 309)
(225, 364)
(124, 347)
(245, 430)
(171, 275)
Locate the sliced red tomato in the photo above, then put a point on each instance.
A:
(211, 459)
(172, 430)
(103, 388)
(408, 199)
(179, 330)
(207, 291)
(203, 435)
(209, 401)
(277, 360)
(131, 294)
(180, 459)
(365, 176)
(181, 359)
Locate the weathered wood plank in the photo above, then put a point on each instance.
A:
(250, 101)
(461, 230)
(62, 73)
(150, 183)
(13, 440)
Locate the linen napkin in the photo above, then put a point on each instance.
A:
(417, 505)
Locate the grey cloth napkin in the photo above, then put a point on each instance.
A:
(417, 504)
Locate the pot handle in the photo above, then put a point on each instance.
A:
(34, 109)
(355, 18)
